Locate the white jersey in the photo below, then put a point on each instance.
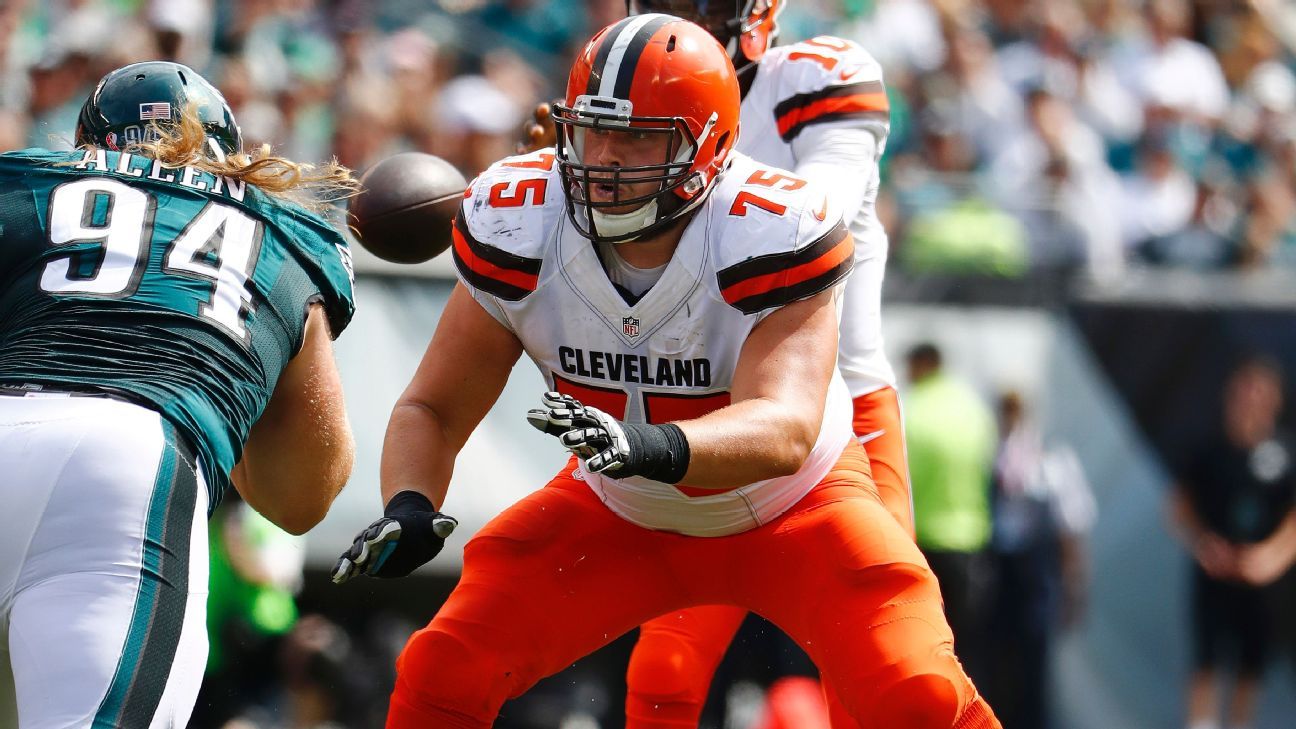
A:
(803, 98)
(761, 239)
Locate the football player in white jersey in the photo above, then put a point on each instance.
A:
(818, 108)
(680, 299)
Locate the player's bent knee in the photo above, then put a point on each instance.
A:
(923, 701)
(443, 681)
(667, 684)
(667, 673)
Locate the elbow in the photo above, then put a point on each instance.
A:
(295, 515)
(795, 447)
(299, 522)
(299, 515)
(298, 501)
(311, 510)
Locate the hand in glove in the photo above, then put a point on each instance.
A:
(410, 533)
(607, 445)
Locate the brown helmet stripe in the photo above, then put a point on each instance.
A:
(613, 70)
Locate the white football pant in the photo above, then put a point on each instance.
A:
(103, 566)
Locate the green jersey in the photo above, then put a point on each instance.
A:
(174, 288)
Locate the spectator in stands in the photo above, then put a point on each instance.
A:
(182, 30)
(365, 129)
(1167, 69)
(542, 31)
(1043, 510)
(1268, 230)
(1054, 177)
(1207, 242)
(1101, 100)
(1158, 199)
(480, 123)
(951, 437)
(1234, 508)
(951, 226)
(985, 104)
(902, 35)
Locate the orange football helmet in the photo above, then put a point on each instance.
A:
(746, 28)
(650, 75)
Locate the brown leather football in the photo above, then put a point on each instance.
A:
(406, 206)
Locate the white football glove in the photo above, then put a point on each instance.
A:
(594, 436)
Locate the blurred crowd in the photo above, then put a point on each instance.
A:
(1094, 132)
(1026, 134)
(353, 79)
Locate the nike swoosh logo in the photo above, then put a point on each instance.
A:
(822, 212)
(870, 436)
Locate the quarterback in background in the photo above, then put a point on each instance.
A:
(168, 308)
(680, 299)
(817, 108)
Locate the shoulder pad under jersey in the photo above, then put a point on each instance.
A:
(821, 80)
(508, 216)
(775, 238)
(326, 256)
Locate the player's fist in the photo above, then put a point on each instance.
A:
(410, 533)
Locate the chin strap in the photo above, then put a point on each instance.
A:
(618, 224)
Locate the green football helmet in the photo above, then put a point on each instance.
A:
(124, 103)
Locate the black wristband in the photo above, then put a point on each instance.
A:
(658, 452)
(408, 502)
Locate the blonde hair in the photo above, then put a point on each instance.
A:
(185, 144)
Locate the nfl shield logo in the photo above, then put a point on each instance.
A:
(630, 326)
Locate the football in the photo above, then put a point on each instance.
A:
(405, 207)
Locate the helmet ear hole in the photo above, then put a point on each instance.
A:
(670, 44)
(721, 142)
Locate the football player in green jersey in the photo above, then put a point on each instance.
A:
(167, 305)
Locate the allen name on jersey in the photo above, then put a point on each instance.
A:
(133, 165)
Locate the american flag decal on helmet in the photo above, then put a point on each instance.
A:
(630, 326)
(155, 110)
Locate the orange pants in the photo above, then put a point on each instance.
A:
(558, 575)
(879, 426)
(677, 654)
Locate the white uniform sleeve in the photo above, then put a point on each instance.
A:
(490, 304)
(841, 159)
